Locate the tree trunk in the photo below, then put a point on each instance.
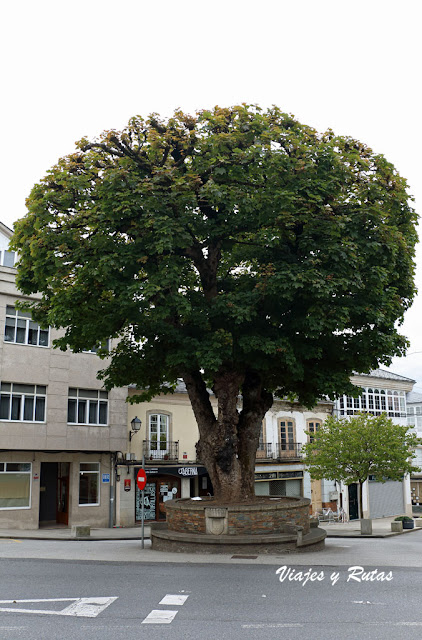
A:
(360, 499)
(228, 443)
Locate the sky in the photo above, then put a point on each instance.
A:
(75, 69)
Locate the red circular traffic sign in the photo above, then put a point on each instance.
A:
(141, 479)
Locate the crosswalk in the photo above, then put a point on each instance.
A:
(165, 616)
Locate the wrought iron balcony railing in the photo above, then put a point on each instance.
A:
(289, 450)
(265, 451)
(161, 450)
(279, 451)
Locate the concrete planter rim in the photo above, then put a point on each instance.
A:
(206, 503)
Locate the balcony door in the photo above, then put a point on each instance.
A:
(287, 436)
(158, 436)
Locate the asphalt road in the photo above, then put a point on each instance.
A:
(214, 601)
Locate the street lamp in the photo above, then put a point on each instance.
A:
(135, 425)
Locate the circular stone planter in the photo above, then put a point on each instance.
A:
(263, 525)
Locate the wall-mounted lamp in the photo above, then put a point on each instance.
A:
(135, 425)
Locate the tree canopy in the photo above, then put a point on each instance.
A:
(237, 248)
(350, 450)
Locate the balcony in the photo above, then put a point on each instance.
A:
(265, 452)
(288, 451)
(284, 451)
(164, 451)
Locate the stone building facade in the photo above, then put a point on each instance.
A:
(60, 431)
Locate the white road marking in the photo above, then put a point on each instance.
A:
(174, 599)
(79, 607)
(272, 626)
(159, 617)
(366, 602)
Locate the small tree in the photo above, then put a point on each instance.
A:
(350, 450)
(239, 250)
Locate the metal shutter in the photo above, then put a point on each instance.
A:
(386, 499)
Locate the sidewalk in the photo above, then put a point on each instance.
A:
(381, 528)
(65, 533)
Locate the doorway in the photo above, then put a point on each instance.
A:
(54, 493)
(157, 491)
(353, 502)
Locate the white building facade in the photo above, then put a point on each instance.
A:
(382, 392)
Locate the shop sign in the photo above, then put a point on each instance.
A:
(266, 476)
(188, 471)
(290, 474)
(175, 471)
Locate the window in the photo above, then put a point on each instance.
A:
(97, 347)
(86, 406)
(15, 485)
(89, 483)
(261, 443)
(313, 426)
(7, 258)
(158, 432)
(20, 329)
(375, 401)
(22, 402)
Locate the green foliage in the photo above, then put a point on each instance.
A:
(352, 450)
(403, 519)
(237, 240)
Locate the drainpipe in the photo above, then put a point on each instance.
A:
(112, 481)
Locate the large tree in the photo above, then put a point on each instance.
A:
(239, 250)
(352, 449)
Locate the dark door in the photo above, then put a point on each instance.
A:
(48, 492)
(62, 516)
(353, 502)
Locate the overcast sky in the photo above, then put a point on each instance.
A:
(77, 68)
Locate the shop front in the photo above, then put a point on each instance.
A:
(169, 483)
(279, 483)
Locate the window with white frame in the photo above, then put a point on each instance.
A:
(375, 401)
(158, 432)
(21, 329)
(7, 258)
(103, 345)
(15, 485)
(22, 402)
(89, 483)
(414, 416)
(87, 406)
